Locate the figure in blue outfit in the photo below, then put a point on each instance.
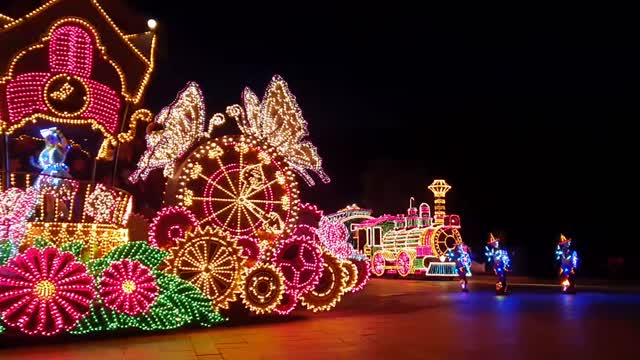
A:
(52, 157)
(501, 263)
(568, 259)
(463, 264)
(53, 171)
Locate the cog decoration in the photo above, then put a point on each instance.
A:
(287, 304)
(263, 288)
(211, 261)
(278, 121)
(170, 224)
(241, 186)
(308, 220)
(250, 250)
(364, 272)
(330, 288)
(300, 261)
(352, 274)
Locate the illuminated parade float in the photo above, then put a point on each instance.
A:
(418, 243)
(232, 228)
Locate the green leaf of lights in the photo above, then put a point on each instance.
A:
(6, 252)
(41, 243)
(138, 251)
(73, 247)
(135, 251)
(178, 304)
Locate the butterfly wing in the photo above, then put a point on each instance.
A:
(282, 121)
(183, 122)
(250, 123)
(304, 156)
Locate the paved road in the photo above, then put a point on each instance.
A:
(396, 319)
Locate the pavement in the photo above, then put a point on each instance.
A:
(394, 319)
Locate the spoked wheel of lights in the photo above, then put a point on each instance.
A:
(445, 239)
(377, 264)
(239, 185)
(404, 263)
(210, 260)
(300, 261)
(330, 288)
(352, 274)
(263, 288)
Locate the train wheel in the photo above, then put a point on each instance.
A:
(404, 263)
(378, 264)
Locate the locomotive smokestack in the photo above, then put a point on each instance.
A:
(439, 188)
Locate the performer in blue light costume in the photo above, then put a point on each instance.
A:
(53, 172)
(52, 157)
(568, 259)
(501, 263)
(463, 264)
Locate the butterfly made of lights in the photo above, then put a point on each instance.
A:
(278, 121)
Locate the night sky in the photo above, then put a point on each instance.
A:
(527, 113)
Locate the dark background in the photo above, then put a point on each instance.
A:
(528, 113)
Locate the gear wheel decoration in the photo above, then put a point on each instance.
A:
(300, 261)
(330, 288)
(210, 260)
(170, 224)
(364, 273)
(352, 274)
(263, 288)
(250, 250)
(287, 304)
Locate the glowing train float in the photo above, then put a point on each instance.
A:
(232, 229)
(415, 244)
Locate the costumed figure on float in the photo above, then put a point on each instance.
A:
(501, 263)
(53, 170)
(568, 259)
(463, 264)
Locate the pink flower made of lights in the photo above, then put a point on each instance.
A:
(44, 292)
(128, 287)
(334, 236)
(16, 207)
(170, 224)
(300, 261)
